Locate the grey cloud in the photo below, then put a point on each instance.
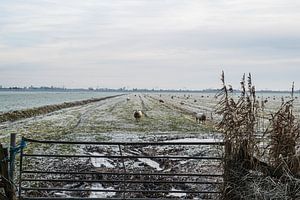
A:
(142, 43)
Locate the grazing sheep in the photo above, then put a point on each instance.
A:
(161, 101)
(138, 115)
(200, 117)
(127, 98)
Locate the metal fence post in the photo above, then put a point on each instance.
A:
(124, 171)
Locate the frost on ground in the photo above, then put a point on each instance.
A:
(112, 120)
(172, 194)
(98, 186)
(101, 162)
(150, 163)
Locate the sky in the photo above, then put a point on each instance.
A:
(170, 44)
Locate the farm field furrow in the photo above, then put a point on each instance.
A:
(112, 120)
(166, 117)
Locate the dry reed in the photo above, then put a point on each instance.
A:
(245, 175)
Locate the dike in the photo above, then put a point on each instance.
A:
(32, 112)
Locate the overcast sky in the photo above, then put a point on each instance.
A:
(149, 43)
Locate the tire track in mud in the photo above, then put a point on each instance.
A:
(82, 116)
(111, 109)
(88, 113)
(144, 107)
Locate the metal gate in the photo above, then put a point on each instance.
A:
(120, 170)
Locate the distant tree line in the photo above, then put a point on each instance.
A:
(122, 89)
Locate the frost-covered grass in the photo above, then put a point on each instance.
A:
(112, 120)
(175, 115)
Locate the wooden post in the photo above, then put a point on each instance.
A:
(12, 155)
(3, 197)
(8, 186)
(227, 189)
(227, 158)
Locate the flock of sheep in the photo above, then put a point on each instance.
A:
(200, 117)
(138, 114)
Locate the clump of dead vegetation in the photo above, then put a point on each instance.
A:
(284, 132)
(246, 176)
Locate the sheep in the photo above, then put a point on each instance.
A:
(128, 99)
(200, 117)
(138, 115)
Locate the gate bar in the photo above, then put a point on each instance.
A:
(119, 181)
(120, 191)
(116, 173)
(124, 143)
(86, 198)
(126, 157)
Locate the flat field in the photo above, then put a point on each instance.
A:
(167, 117)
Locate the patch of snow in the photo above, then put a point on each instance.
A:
(122, 136)
(151, 163)
(101, 162)
(195, 140)
(61, 194)
(98, 186)
(183, 162)
(175, 194)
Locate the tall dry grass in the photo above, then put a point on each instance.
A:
(284, 134)
(245, 175)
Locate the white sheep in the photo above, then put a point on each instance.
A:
(200, 117)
